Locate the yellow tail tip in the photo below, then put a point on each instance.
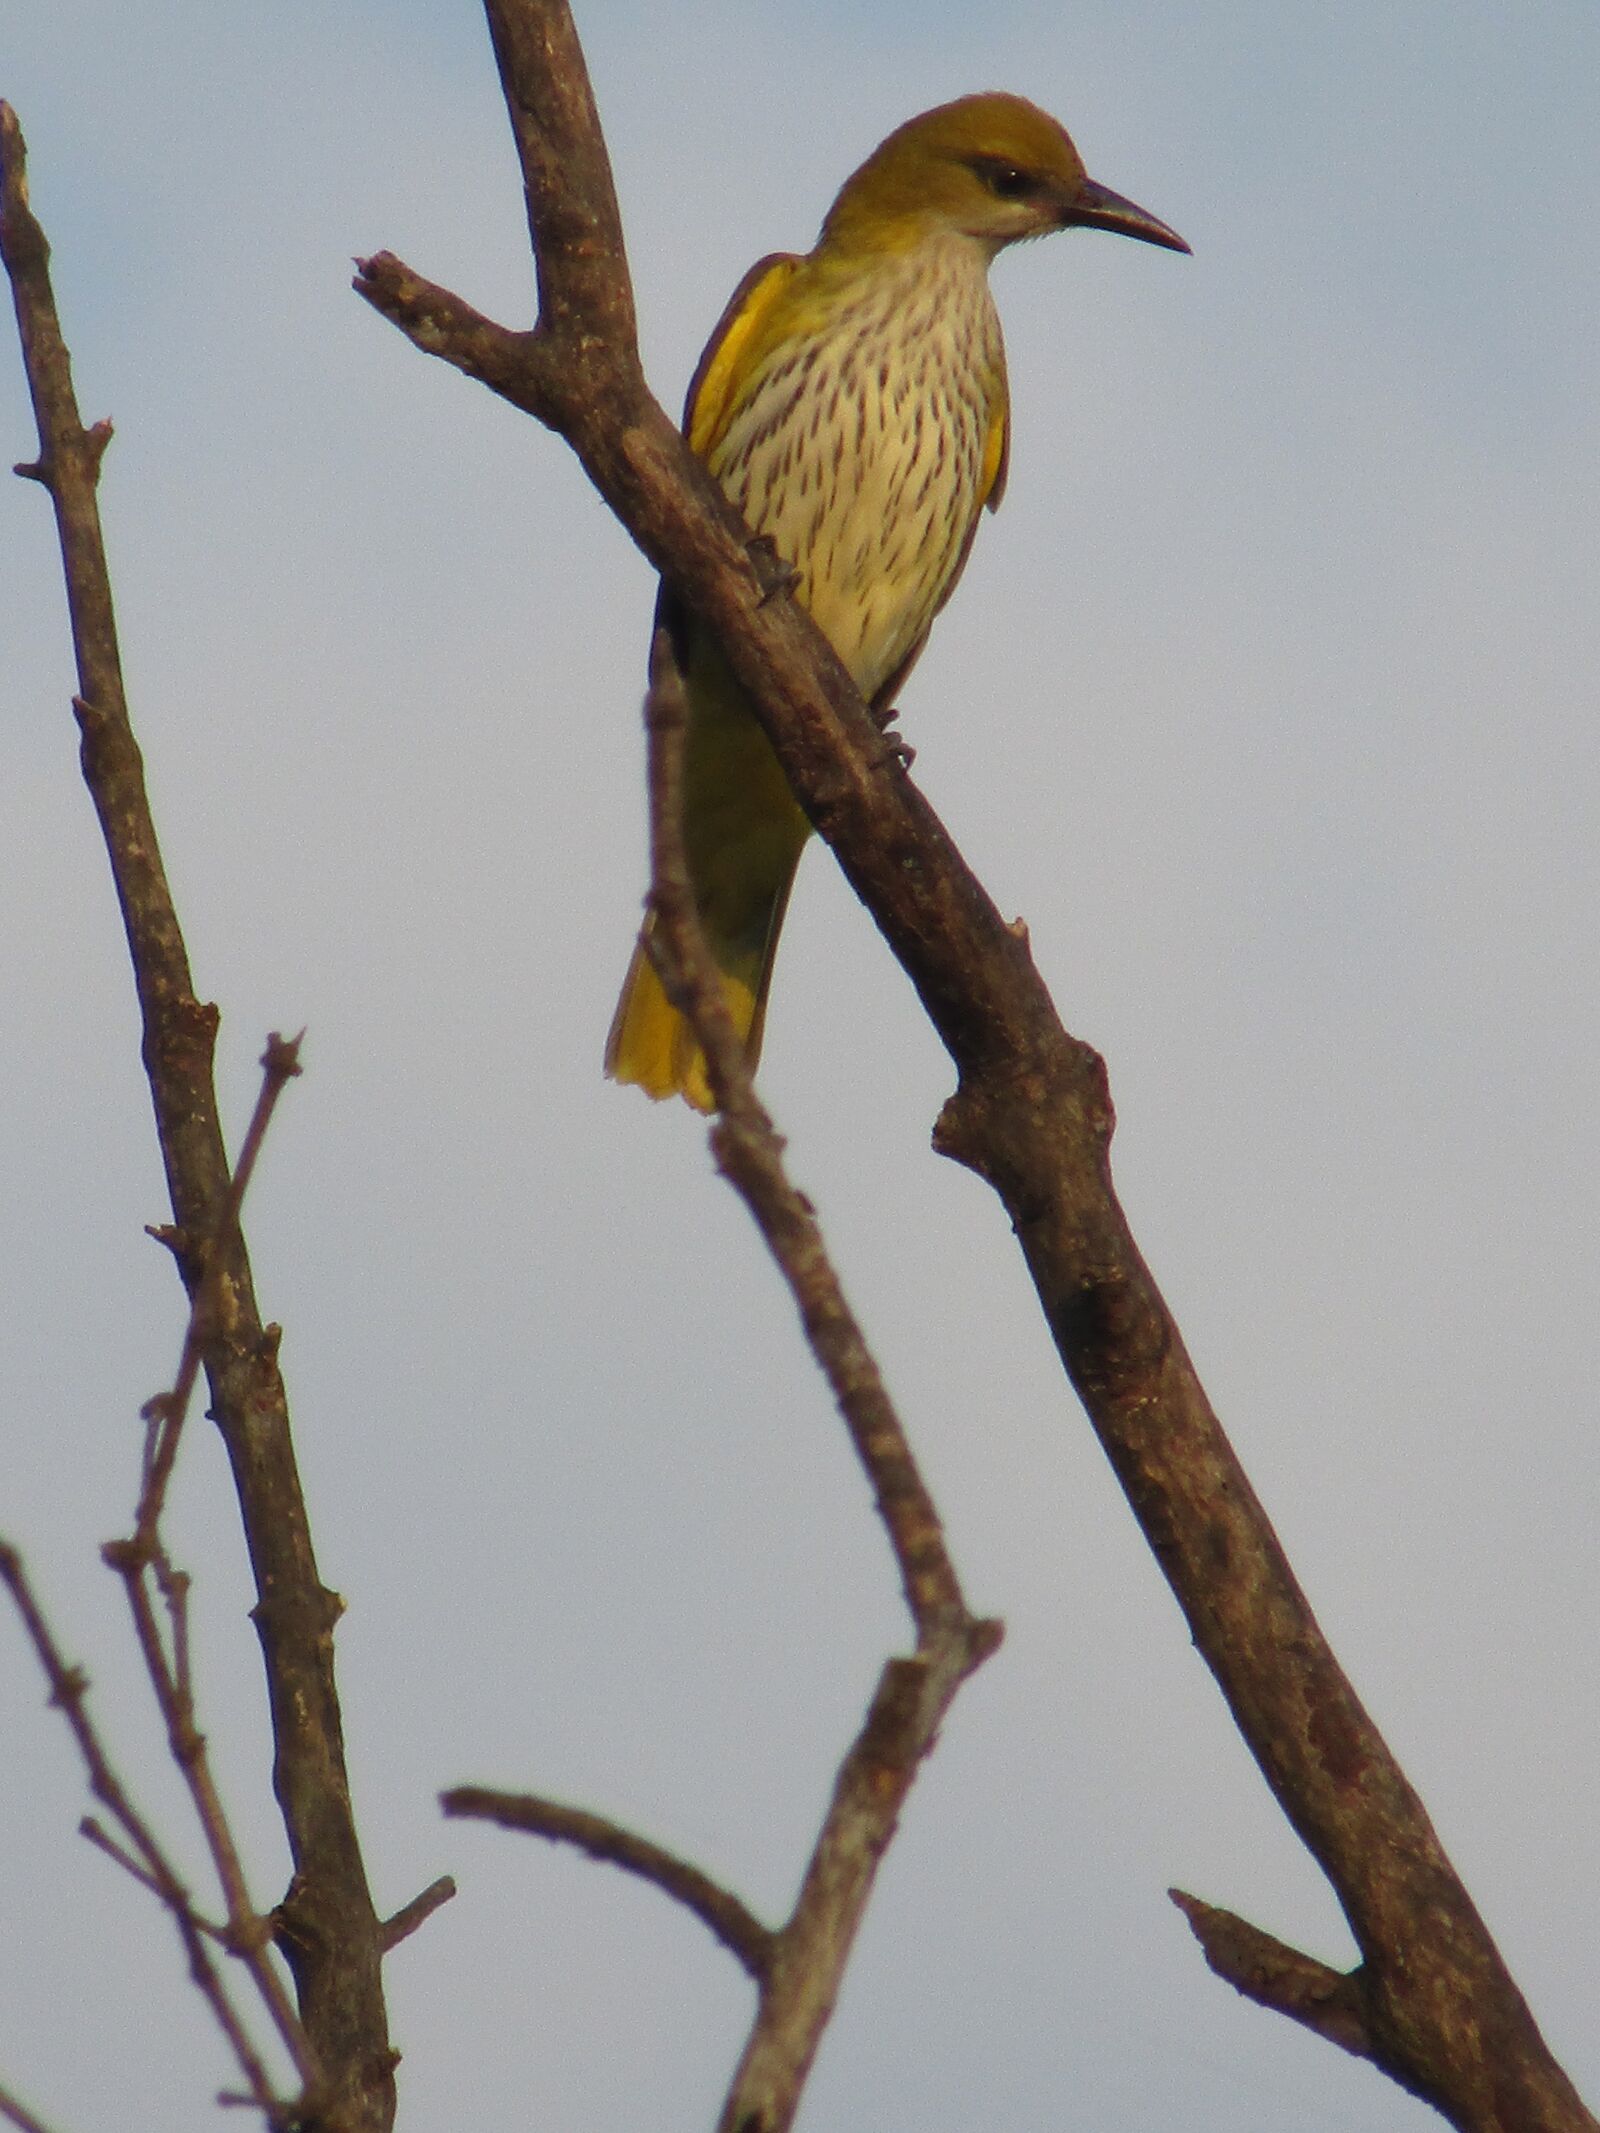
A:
(651, 1045)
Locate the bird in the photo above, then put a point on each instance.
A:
(852, 404)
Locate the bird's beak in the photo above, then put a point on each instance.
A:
(1097, 207)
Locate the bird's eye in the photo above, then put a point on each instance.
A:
(1004, 180)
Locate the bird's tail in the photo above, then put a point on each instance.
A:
(652, 1045)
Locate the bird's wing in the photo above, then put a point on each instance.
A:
(996, 456)
(725, 362)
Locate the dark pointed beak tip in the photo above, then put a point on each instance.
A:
(1097, 207)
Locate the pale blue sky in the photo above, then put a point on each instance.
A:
(1268, 700)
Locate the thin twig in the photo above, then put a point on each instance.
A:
(329, 1929)
(417, 1912)
(750, 1155)
(249, 1934)
(717, 1908)
(68, 1689)
(101, 1838)
(1331, 2003)
(280, 1063)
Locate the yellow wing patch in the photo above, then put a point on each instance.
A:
(725, 364)
(996, 456)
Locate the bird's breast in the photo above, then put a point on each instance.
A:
(858, 447)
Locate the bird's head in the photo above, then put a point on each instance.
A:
(994, 168)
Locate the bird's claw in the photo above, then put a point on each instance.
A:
(776, 574)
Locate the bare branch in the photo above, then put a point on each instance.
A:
(512, 364)
(248, 1934)
(68, 1689)
(798, 1968)
(811, 1951)
(329, 1930)
(573, 217)
(1268, 1971)
(417, 1912)
(101, 1838)
(717, 1908)
(750, 1155)
(806, 1960)
(1031, 1115)
(14, 2113)
(280, 1063)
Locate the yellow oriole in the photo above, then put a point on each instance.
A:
(852, 403)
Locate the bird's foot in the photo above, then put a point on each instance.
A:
(776, 574)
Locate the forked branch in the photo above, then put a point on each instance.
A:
(1030, 1114)
(798, 1967)
(808, 1954)
(329, 1930)
(149, 1861)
